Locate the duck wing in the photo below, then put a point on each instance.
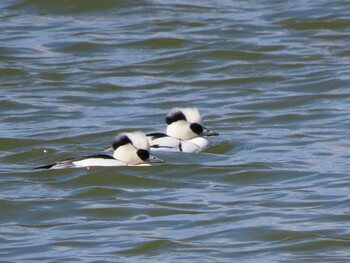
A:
(75, 162)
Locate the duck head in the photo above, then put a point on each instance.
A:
(133, 148)
(186, 124)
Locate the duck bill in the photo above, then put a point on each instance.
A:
(207, 132)
(153, 159)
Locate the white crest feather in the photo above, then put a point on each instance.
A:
(138, 139)
(192, 114)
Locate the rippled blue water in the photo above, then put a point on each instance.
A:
(271, 76)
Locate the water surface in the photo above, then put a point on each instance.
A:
(272, 78)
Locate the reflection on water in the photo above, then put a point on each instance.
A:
(272, 78)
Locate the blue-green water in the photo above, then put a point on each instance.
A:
(271, 76)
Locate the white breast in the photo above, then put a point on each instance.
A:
(201, 142)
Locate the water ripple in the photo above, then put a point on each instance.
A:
(272, 78)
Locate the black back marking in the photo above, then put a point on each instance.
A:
(92, 156)
(122, 140)
(143, 154)
(44, 166)
(156, 135)
(196, 128)
(174, 117)
(160, 146)
(99, 156)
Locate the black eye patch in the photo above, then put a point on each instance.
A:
(143, 154)
(122, 140)
(175, 116)
(196, 128)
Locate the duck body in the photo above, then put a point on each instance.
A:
(85, 161)
(183, 134)
(163, 142)
(130, 149)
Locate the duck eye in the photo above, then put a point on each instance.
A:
(196, 128)
(143, 154)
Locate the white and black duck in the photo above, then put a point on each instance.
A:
(130, 149)
(183, 134)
